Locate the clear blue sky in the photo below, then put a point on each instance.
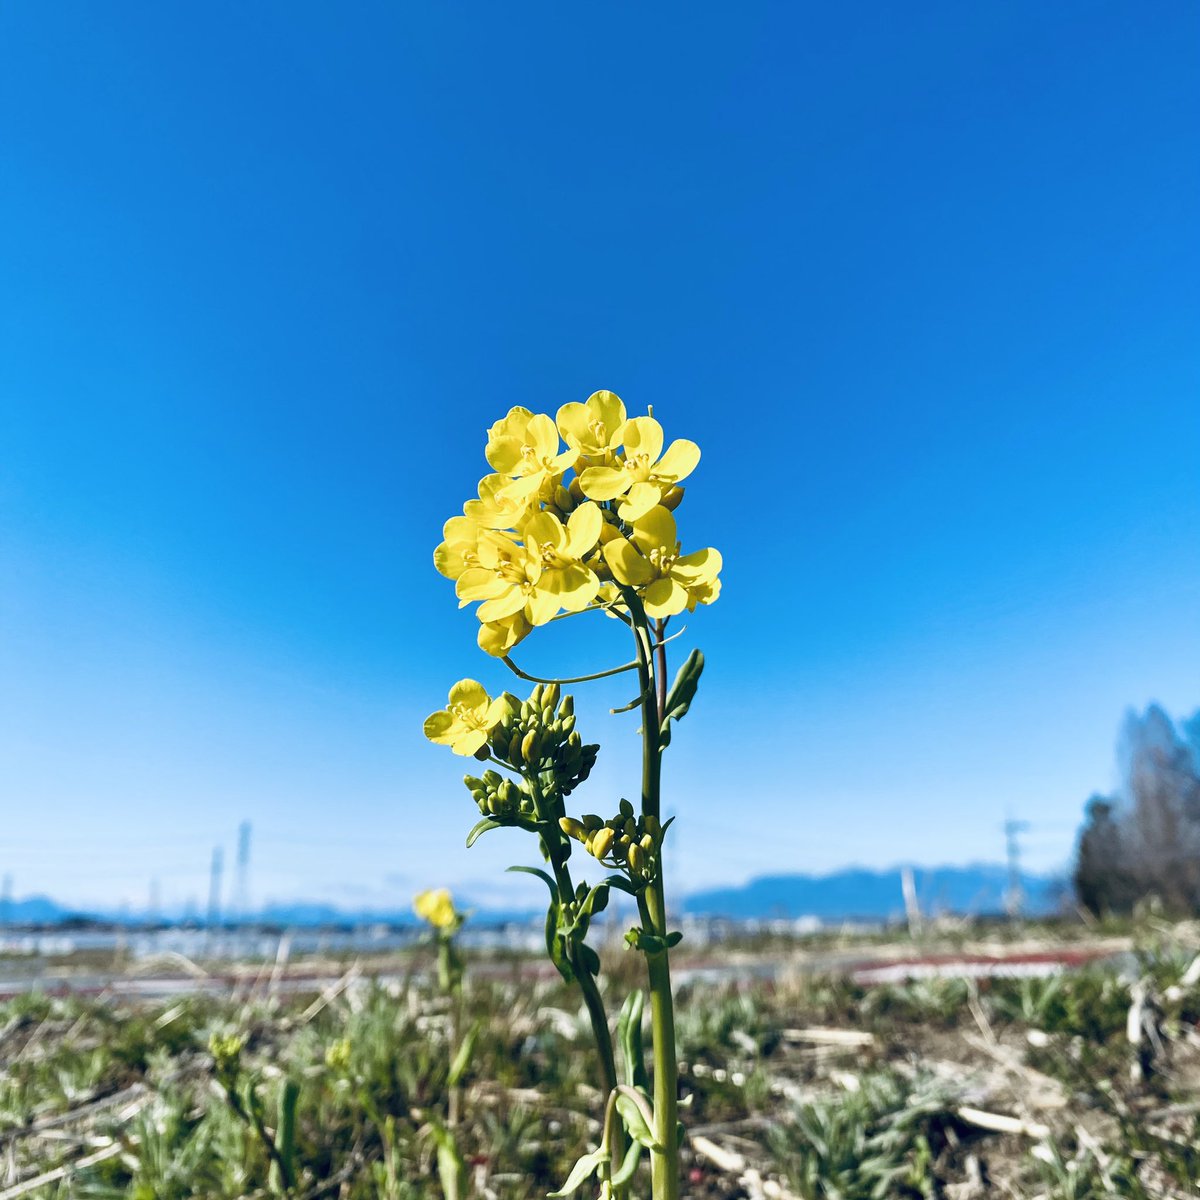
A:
(921, 280)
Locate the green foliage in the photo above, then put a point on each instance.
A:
(875, 1142)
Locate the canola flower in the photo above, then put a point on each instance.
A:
(464, 724)
(577, 516)
(437, 907)
(539, 542)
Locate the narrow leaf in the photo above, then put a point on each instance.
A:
(541, 875)
(479, 829)
(635, 1122)
(583, 1170)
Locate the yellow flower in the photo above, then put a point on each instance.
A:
(526, 447)
(640, 475)
(467, 720)
(497, 638)
(436, 907)
(495, 509)
(667, 581)
(593, 427)
(459, 548)
(539, 578)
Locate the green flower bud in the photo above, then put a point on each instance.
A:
(529, 747)
(600, 841)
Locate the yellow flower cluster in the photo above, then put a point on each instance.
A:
(437, 907)
(535, 544)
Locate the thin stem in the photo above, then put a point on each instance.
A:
(593, 1001)
(629, 666)
(664, 1164)
(512, 666)
(660, 667)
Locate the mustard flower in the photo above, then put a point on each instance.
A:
(525, 446)
(497, 638)
(464, 724)
(640, 475)
(650, 561)
(542, 576)
(495, 509)
(437, 907)
(593, 427)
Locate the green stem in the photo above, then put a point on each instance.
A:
(664, 1164)
(592, 999)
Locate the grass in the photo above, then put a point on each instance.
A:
(342, 1096)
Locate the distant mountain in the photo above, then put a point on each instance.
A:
(977, 889)
(34, 910)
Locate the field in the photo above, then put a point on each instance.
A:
(797, 1081)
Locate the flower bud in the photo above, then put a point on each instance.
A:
(571, 827)
(600, 841)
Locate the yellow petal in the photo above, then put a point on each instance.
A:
(604, 483)
(506, 604)
(626, 564)
(542, 435)
(574, 423)
(641, 498)
(583, 529)
(438, 727)
(546, 529)
(504, 455)
(469, 742)
(542, 605)
(477, 583)
(608, 409)
(498, 637)
(679, 462)
(642, 435)
(654, 530)
(573, 587)
(469, 693)
(701, 567)
(664, 598)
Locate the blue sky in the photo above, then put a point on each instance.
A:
(920, 280)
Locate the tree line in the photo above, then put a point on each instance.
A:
(1145, 839)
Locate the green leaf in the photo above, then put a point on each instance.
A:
(451, 1167)
(479, 829)
(629, 1032)
(629, 1165)
(674, 938)
(622, 884)
(462, 1059)
(589, 958)
(681, 695)
(582, 1171)
(597, 900)
(541, 875)
(635, 1122)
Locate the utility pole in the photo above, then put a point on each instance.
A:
(214, 888)
(241, 895)
(1014, 897)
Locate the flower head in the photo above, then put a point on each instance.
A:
(525, 447)
(650, 560)
(437, 907)
(464, 724)
(639, 474)
(539, 578)
(593, 427)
